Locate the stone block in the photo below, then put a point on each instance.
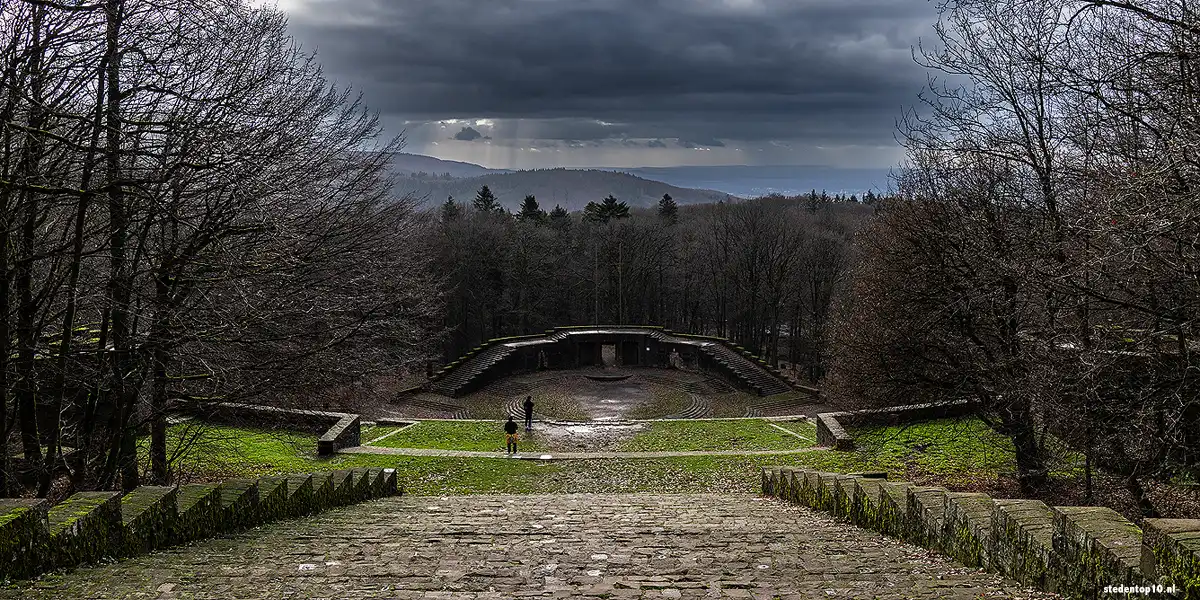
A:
(377, 483)
(926, 516)
(1094, 547)
(967, 533)
(391, 487)
(323, 492)
(362, 484)
(1171, 555)
(893, 507)
(343, 487)
(783, 487)
(300, 495)
(843, 496)
(770, 477)
(830, 432)
(1022, 541)
(272, 499)
(148, 517)
(826, 483)
(239, 504)
(85, 528)
(24, 538)
(199, 512)
(864, 508)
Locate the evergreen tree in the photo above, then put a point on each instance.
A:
(485, 201)
(530, 211)
(668, 209)
(606, 211)
(560, 218)
(451, 210)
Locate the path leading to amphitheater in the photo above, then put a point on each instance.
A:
(567, 455)
(562, 546)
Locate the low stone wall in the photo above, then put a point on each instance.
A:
(338, 430)
(1077, 551)
(90, 527)
(831, 426)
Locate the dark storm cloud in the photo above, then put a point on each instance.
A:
(468, 134)
(687, 69)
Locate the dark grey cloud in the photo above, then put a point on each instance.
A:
(694, 70)
(656, 144)
(468, 134)
(709, 143)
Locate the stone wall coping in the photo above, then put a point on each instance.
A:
(93, 526)
(1073, 550)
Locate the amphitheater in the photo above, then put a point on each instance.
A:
(357, 533)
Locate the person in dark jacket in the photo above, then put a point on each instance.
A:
(510, 435)
(528, 413)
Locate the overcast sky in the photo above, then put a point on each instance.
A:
(544, 83)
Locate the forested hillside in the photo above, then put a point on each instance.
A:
(762, 272)
(570, 188)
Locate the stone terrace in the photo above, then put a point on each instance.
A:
(645, 546)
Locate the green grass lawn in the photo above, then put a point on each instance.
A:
(951, 453)
(458, 435)
(804, 428)
(744, 434)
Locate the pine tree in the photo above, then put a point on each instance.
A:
(451, 210)
(668, 209)
(560, 218)
(530, 211)
(486, 202)
(607, 210)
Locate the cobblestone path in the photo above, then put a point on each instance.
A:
(615, 546)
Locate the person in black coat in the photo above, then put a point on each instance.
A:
(528, 413)
(510, 435)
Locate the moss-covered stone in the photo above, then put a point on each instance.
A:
(1022, 541)
(1094, 547)
(343, 487)
(810, 486)
(893, 507)
(300, 496)
(795, 481)
(967, 533)
(85, 528)
(826, 489)
(1171, 555)
(272, 499)
(926, 515)
(362, 485)
(843, 496)
(377, 483)
(239, 504)
(323, 492)
(783, 487)
(24, 538)
(199, 512)
(770, 477)
(864, 507)
(148, 516)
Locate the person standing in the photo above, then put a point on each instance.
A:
(510, 436)
(528, 413)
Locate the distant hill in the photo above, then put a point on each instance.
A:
(403, 163)
(570, 188)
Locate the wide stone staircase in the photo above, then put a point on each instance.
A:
(750, 374)
(559, 545)
(465, 376)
